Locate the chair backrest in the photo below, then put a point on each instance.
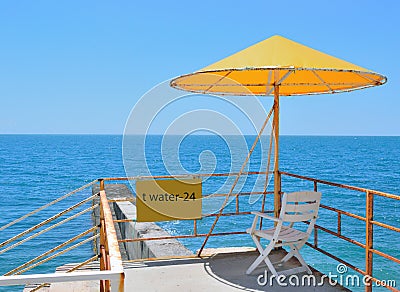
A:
(300, 206)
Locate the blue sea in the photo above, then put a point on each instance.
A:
(35, 169)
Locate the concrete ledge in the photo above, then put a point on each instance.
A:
(145, 249)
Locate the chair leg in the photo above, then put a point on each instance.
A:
(258, 243)
(287, 257)
(290, 254)
(263, 257)
(270, 265)
(297, 254)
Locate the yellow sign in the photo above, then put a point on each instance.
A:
(165, 200)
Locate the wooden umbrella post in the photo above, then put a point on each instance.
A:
(277, 176)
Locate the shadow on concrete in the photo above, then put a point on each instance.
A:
(230, 268)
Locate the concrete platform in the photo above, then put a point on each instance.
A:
(221, 270)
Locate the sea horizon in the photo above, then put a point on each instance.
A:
(194, 134)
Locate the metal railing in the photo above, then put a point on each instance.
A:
(110, 255)
(368, 219)
(195, 234)
(110, 259)
(111, 274)
(368, 246)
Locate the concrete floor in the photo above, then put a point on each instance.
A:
(222, 269)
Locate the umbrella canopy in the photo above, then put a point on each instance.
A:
(276, 66)
(298, 70)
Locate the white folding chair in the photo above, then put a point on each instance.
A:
(296, 207)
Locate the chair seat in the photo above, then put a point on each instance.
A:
(286, 234)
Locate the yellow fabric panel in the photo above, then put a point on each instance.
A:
(278, 51)
(231, 90)
(342, 87)
(200, 89)
(297, 83)
(250, 76)
(333, 77)
(302, 89)
(303, 76)
(200, 79)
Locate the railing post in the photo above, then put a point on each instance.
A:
(277, 174)
(195, 227)
(277, 194)
(315, 236)
(102, 255)
(369, 215)
(104, 264)
(111, 256)
(101, 184)
(237, 203)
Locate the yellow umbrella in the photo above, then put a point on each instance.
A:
(295, 68)
(278, 66)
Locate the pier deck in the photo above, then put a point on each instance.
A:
(221, 269)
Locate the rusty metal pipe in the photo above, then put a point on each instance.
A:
(47, 229)
(46, 221)
(48, 204)
(50, 251)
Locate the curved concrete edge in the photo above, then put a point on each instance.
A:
(145, 249)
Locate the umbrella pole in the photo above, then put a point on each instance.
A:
(277, 176)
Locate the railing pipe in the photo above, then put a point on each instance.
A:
(50, 251)
(48, 205)
(111, 256)
(47, 229)
(369, 239)
(46, 221)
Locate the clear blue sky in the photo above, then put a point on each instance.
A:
(80, 66)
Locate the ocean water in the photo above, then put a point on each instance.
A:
(35, 169)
